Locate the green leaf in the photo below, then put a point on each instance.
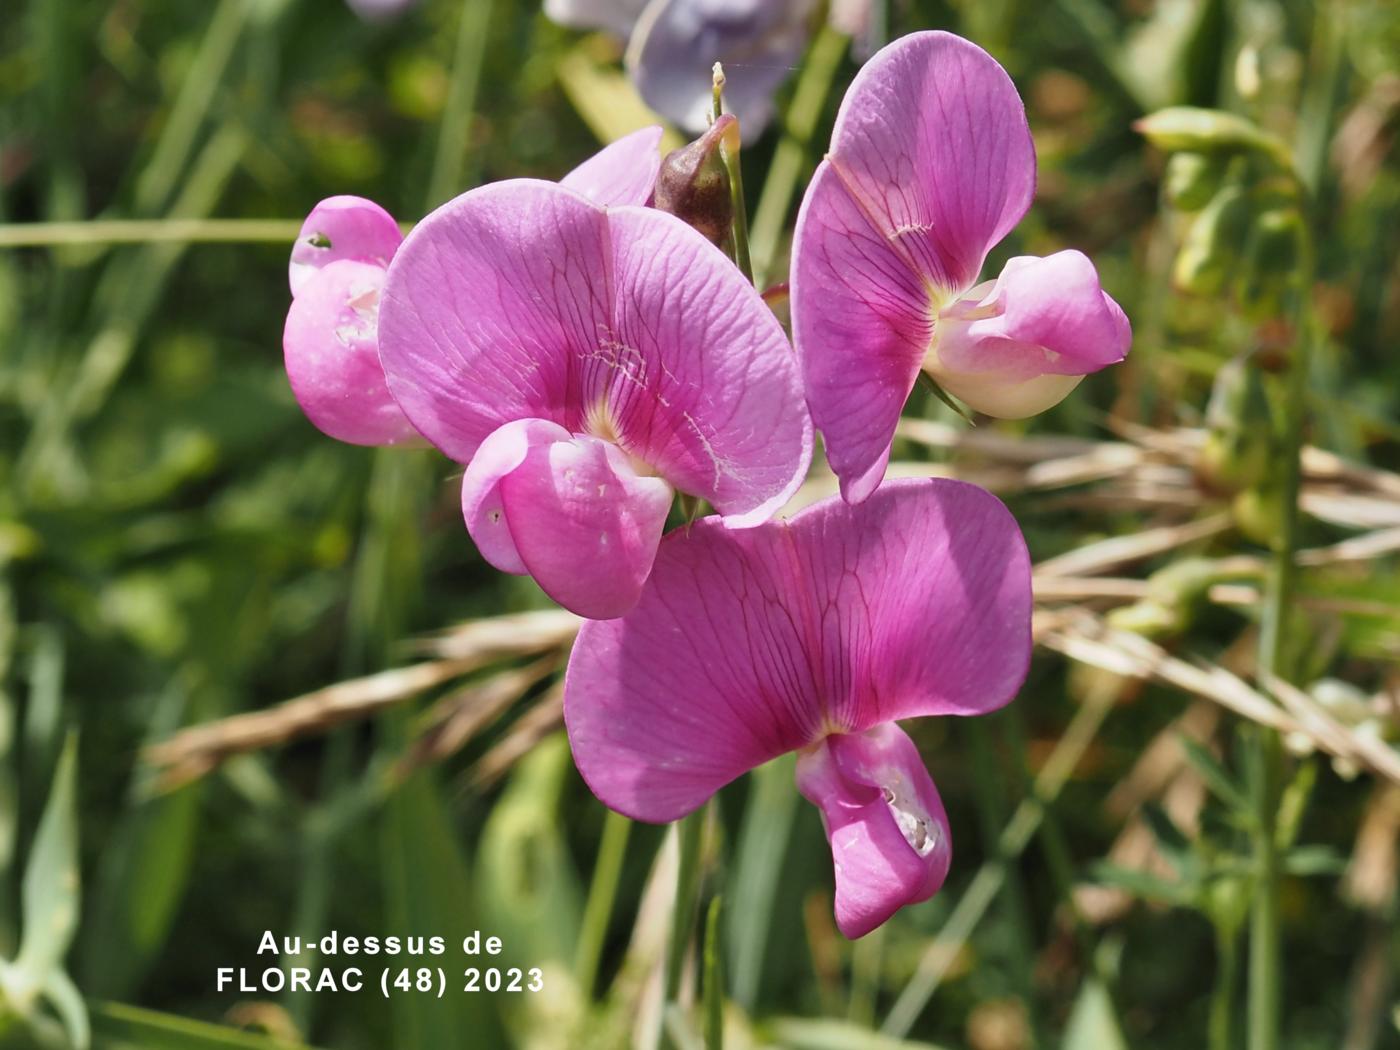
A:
(1093, 1023)
(119, 1027)
(50, 893)
(428, 888)
(1314, 860)
(1174, 845)
(792, 1033)
(67, 1001)
(1217, 779)
(758, 865)
(1143, 884)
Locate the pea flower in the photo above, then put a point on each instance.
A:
(672, 46)
(812, 635)
(931, 164)
(586, 362)
(337, 271)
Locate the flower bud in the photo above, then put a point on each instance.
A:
(694, 185)
(1211, 131)
(1191, 180)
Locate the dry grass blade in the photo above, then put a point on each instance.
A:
(500, 636)
(194, 751)
(1119, 551)
(1364, 749)
(533, 726)
(458, 717)
(1083, 637)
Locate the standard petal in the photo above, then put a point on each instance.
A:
(698, 379)
(584, 523)
(890, 844)
(677, 42)
(342, 228)
(932, 143)
(621, 173)
(492, 303)
(1020, 347)
(746, 644)
(862, 323)
(332, 357)
(523, 300)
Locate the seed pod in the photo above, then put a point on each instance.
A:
(1210, 252)
(694, 186)
(1239, 429)
(1272, 262)
(1191, 180)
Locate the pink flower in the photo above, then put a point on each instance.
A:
(586, 362)
(337, 272)
(812, 635)
(931, 164)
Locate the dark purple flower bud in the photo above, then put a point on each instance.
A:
(694, 185)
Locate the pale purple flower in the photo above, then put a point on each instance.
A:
(674, 44)
(931, 164)
(812, 635)
(586, 362)
(337, 272)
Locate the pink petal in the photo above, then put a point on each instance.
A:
(1020, 347)
(488, 308)
(932, 142)
(342, 228)
(698, 377)
(621, 173)
(523, 300)
(746, 644)
(331, 352)
(889, 833)
(931, 164)
(572, 512)
(862, 324)
(483, 505)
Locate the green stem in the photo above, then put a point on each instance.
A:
(602, 895)
(740, 236)
(449, 164)
(689, 832)
(1222, 998)
(790, 158)
(713, 981)
(148, 231)
(1267, 765)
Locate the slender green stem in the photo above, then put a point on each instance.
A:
(449, 164)
(1222, 999)
(729, 151)
(790, 157)
(602, 895)
(689, 833)
(148, 231)
(1267, 765)
(713, 980)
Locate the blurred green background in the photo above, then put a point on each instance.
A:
(179, 545)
